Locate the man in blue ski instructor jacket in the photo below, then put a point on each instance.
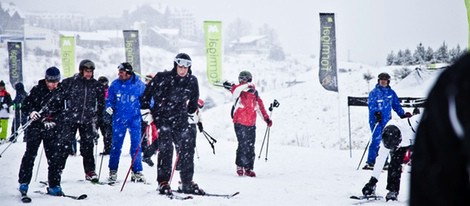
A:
(123, 104)
(382, 99)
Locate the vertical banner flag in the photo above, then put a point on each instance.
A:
(131, 45)
(327, 71)
(467, 4)
(213, 36)
(15, 62)
(67, 55)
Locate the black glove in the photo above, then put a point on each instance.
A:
(369, 188)
(378, 116)
(227, 85)
(406, 115)
(199, 126)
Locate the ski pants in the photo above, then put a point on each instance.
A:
(120, 126)
(87, 136)
(183, 137)
(375, 143)
(394, 171)
(4, 126)
(49, 139)
(246, 136)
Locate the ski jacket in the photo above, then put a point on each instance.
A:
(174, 96)
(247, 104)
(5, 98)
(383, 100)
(124, 98)
(48, 103)
(20, 95)
(84, 99)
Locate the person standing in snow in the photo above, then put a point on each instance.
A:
(397, 138)
(20, 117)
(382, 99)
(44, 107)
(441, 155)
(175, 94)
(247, 104)
(123, 104)
(149, 143)
(5, 103)
(105, 124)
(84, 106)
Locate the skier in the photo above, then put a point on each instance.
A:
(84, 107)
(441, 154)
(5, 103)
(397, 137)
(20, 117)
(149, 143)
(247, 104)
(382, 99)
(175, 94)
(105, 124)
(44, 107)
(123, 104)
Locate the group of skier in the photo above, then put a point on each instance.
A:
(169, 103)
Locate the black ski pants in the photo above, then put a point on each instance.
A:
(246, 136)
(394, 171)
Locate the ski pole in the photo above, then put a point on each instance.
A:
(271, 107)
(174, 167)
(101, 165)
(39, 163)
(365, 149)
(133, 160)
(211, 140)
(267, 145)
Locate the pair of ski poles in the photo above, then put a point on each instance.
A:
(268, 130)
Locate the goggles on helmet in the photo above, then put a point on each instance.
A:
(183, 62)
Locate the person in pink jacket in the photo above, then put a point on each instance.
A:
(244, 111)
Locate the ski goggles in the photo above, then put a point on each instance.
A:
(183, 62)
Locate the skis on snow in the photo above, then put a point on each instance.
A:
(79, 197)
(228, 196)
(367, 197)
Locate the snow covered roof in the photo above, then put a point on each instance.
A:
(165, 31)
(11, 8)
(249, 39)
(100, 35)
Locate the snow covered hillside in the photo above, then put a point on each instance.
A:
(308, 162)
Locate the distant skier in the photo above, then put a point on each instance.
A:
(105, 124)
(20, 117)
(5, 103)
(247, 104)
(382, 99)
(397, 137)
(441, 155)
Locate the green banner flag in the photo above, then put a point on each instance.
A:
(213, 35)
(467, 4)
(67, 54)
(327, 71)
(131, 45)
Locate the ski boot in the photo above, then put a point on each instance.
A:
(148, 160)
(249, 173)
(137, 177)
(55, 191)
(112, 176)
(369, 188)
(391, 196)
(164, 188)
(240, 171)
(91, 176)
(23, 188)
(368, 167)
(191, 188)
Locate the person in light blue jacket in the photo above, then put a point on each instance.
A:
(382, 99)
(123, 104)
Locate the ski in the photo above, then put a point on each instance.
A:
(228, 196)
(80, 197)
(99, 182)
(25, 198)
(367, 197)
(178, 197)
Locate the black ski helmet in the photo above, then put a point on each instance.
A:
(384, 76)
(127, 67)
(391, 136)
(52, 74)
(103, 80)
(244, 76)
(86, 64)
(182, 59)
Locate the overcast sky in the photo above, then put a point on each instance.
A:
(366, 30)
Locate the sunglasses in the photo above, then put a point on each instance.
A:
(183, 62)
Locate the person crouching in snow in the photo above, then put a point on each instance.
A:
(397, 137)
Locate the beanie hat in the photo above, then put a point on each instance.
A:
(19, 86)
(52, 74)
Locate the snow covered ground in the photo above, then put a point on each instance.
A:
(309, 161)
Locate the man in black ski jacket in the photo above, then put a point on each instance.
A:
(43, 105)
(20, 117)
(175, 94)
(84, 107)
(441, 154)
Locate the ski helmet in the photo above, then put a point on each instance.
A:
(384, 76)
(52, 74)
(391, 136)
(244, 77)
(125, 66)
(86, 64)
(103, 80)
(182, 59)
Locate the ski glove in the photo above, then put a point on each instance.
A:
(146, 116)
(378, 116)
(48, 124)
(269, 122)
(5, 106)
(193, 118)
(109, 110)
(406, 115)
(227, 85)
(199, 126)
(34, 115)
